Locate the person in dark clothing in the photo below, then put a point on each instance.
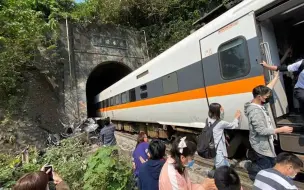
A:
(226, 178)
(149, 172)
(107, 136)
(297, 68)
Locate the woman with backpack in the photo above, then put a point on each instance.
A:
(216, 114)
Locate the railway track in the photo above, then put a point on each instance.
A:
(208, 163)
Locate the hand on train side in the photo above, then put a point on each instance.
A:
(276, 74)
(237, 114)
(264, 64)
(285, 129)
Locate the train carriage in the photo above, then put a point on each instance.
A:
(220, 62)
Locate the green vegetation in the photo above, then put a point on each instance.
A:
(107, 171)
(28, 35)
(29, 29)
(71, 160)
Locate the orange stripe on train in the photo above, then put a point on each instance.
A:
(229, 88)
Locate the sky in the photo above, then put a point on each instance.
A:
(79, 1)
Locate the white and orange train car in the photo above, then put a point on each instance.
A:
(220, 62)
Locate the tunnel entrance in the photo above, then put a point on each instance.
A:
(103, 76)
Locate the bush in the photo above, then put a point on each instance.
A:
(71, 161)
(12, 170)
(107, 171)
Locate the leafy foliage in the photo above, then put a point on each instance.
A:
(26, 25)
(107, 171)
(69, 160)
(165, 22)
(103, 170)
(11, 170)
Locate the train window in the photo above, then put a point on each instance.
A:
(234, 59)
(118, 98)
(132, 95)
(170, 84)
(112, 101)
(144, 95)
(124, 98)
(106, 103)
(143, 87)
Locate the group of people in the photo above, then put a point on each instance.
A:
(265, 168)
(153, 170)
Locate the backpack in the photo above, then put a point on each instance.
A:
(206, 147)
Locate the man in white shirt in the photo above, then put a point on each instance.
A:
(296, 67)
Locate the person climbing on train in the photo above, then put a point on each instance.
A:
(140, 154)
(174, 174)
(261, 130)
(296, 68)
(149, 172)
(107, 136)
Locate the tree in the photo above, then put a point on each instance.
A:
(26, 25)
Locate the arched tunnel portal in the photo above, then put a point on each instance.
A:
(103, 76)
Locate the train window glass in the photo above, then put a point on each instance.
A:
(132, 95)
(234, 59)
(142, 74)
(112, 101)
(170, 84)
(143, 87)
(117, 102)
(144, 95)
(106, 103)
(123, 97)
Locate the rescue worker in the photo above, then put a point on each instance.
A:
(297, 67)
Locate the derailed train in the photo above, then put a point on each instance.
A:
(217, 63)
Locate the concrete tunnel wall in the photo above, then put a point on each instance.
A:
(95, 57)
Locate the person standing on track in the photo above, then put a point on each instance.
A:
(216, 112)
(149, 172)
(261, 130)
(140, 154)
(107, 136)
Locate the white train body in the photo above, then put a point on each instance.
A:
(217, 63)
(188, 111)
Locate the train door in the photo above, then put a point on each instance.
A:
(231, 65)
(271, 56)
